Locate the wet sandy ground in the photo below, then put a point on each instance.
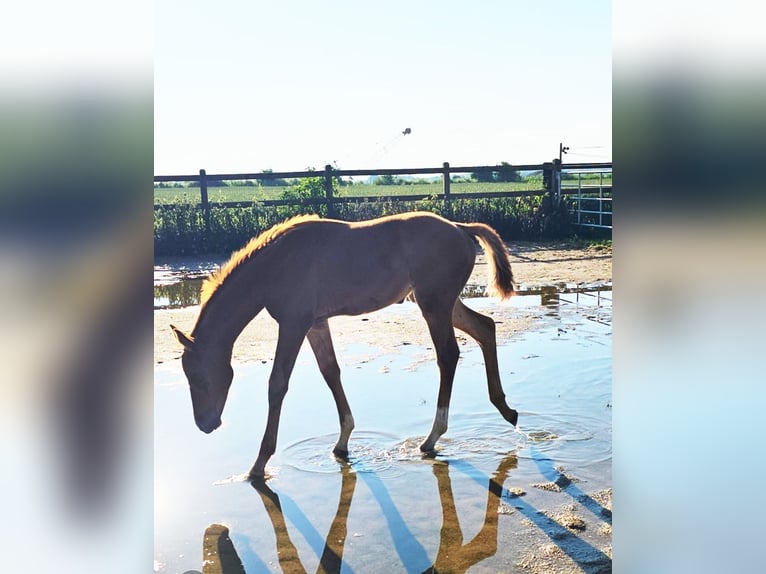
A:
(496, 499)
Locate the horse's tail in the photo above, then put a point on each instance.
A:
(501, 276)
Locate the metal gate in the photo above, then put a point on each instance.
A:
(589, 195)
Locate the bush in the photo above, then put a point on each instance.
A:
(179, 228)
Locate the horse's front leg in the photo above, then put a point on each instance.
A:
(288, 345)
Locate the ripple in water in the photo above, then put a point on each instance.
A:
(567, 438)
(477, 438)
(469, 438)
(243, 477)
(369, 451)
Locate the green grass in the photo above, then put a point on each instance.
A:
(600, 244)
(589, 180)
(249, 194)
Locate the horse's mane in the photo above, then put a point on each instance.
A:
(252, 248)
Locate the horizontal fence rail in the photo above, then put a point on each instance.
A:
(589, 200)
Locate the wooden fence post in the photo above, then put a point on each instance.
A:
(548, 178)
(204, 201)
(328, 190)
(446, 178)
(556, 180)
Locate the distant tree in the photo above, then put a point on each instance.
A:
(272, 181)
(507, 173)
(387, 179)
(483, 176)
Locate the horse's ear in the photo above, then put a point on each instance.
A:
(183, 338)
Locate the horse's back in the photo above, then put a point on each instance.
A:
(360, 266)
(426, 232)
(435, 254)
(340, 268)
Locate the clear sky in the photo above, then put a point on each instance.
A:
(243, 85)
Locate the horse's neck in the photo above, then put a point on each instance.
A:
(226, 314)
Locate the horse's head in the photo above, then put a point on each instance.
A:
(209, 374)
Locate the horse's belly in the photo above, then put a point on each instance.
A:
(358, 301)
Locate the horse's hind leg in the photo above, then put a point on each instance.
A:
(321, 343)
(482, 328)
(447, 354)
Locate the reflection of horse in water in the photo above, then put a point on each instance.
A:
(307, 270)
(218, 553)
(332, 554)
(453, 555)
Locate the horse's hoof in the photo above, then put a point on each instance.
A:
(428, 452)
(511, 415)
(256, 477)
(340, 454)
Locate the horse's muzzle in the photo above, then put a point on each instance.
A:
(208, 425)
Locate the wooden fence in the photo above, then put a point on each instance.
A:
(551, 183)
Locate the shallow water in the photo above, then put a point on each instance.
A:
(389, 509)
(177, 284)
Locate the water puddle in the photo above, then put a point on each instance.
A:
(178, 285)
(574, 439)
(179, 294)
(177, 282)
(486, 499)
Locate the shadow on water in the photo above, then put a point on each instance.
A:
(580, 551)
(454, 553)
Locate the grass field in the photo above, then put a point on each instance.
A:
(252, 193)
